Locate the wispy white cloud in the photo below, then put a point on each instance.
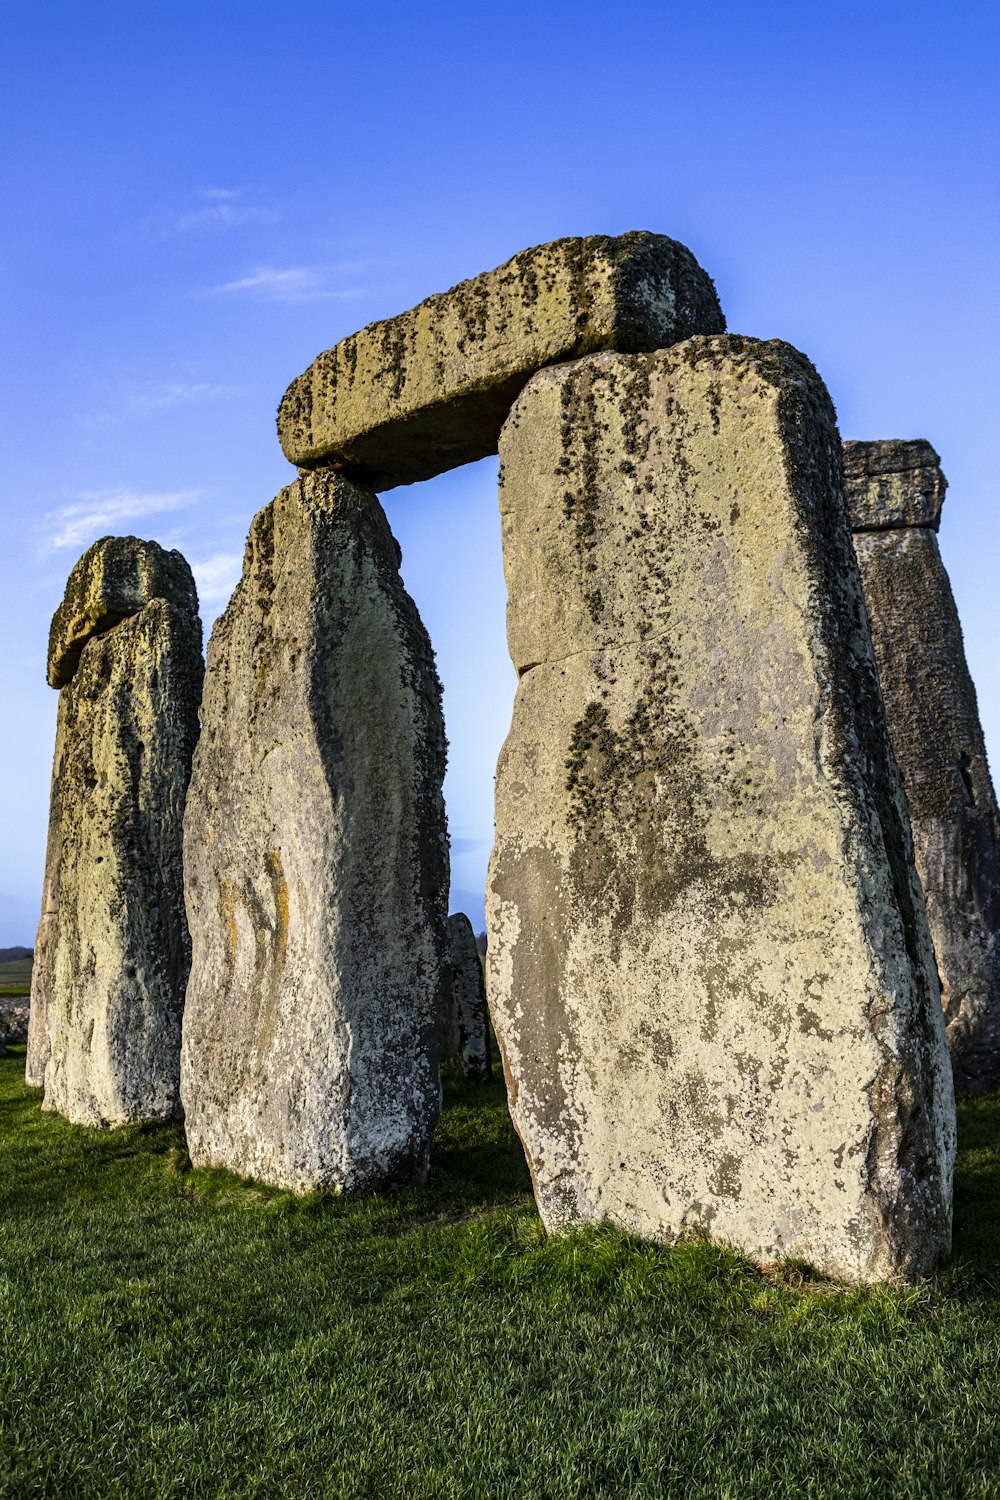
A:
(144, 398)
(213, 208)
(217, 577)
(291, 284)
(94, 511)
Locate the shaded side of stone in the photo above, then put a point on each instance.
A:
(938, 742)
(316, 861)
(430, 389)
(43, 967)
(114, 578)
(709, 968)
(468, 1018)
(114, 950)
(893, 482)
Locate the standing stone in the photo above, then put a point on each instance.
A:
(709, 968)
(430, 389)
(895, 491)
(468, 1018)
(112, 951)
(316, 860)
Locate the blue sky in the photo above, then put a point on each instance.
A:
(200, 197)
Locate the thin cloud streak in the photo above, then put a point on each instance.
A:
(218, 208)
(95, 510)
(217, 577)
(291, 284)
(147, 397)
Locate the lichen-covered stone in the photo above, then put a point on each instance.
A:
(938, 742)
(316, 860)
(709, 968)
(468, 1019)
(893, 482)
(430, 389)
(113, 949)
(43, 965)
(114, 578)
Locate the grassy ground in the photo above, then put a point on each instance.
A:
(15, 978)
(165, 1332)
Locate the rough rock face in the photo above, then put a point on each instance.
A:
(316, 860)
(423, 392)
(709, 967)
(113, 579)
(112, 952)
(43, 967)
(897, 482)
(468, 1020)
(938, 742)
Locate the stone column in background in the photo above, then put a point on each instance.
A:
(112, 951)
(895, 490)
(468, 1018)
(316, 860)
(709, 967)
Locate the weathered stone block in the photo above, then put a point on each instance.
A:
(316, 860)
(113, 951)
(938, 742)
(895, 482)
(426, 391)
(114, 578)
(468, 1018)
(709, 968)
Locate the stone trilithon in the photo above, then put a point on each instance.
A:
(895, 490)
(709, 966)
(316, 860)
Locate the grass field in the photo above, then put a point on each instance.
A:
(15, 977)
(167, 1332)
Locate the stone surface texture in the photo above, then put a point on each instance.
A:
(114, 578)
(430, 389)
(316, 860)
(112, 952)
(43, 967)
(709, 968)
(894, 482)
(468, 1019)
(938, 743)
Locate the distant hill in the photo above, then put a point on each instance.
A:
(10, 955)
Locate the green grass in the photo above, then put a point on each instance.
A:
(15, 978)
(167, 1332)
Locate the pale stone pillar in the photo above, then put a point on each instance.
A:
(468, 1019)
(316, 860)
(709, 967)
(895, 490)
(112, 950)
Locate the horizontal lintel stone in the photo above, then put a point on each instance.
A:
(426, 391)
(893, 482)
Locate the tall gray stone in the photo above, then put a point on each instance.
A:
(468, 1018)
(895, 490)
(112, 951)
(316, 860)
(422, 392)
(709, 968)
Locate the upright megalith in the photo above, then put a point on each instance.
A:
(316, 860)
(430, 389)
(112, 951)
(894, 492)
(709, 968)
(468, 1018)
